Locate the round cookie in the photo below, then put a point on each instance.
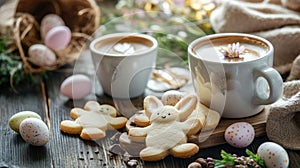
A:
(139, 119)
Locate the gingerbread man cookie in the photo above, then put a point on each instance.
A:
(92, 121)
(167, 133)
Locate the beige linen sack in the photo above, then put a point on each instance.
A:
(275, 22)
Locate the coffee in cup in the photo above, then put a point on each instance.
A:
(124, 62)
(253, 49)
(232, 73)
(125, 46)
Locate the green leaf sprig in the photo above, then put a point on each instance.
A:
(232, 160)
(256, 158)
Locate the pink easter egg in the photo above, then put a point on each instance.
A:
(58, 38)
(240, 134)
(41, 55)
(50, 21)
(76, 86)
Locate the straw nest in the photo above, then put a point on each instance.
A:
(24, 18)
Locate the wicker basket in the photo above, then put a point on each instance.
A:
(24, 17)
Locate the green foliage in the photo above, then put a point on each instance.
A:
(172, 43)
(11, 69)
(232, 160)
(3, 41)
(227, 160)
(256, 158)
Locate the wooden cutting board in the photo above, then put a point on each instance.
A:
(216, 137)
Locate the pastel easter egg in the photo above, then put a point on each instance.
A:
(273, 154)
(76, 86)
(34, 131)
(58, 38)
(41, 55)
(171, 97)
(15, 120)
(50, 21)
(240, 134)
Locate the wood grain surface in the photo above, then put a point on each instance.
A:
(64, 150)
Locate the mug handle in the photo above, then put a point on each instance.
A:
(275, 85)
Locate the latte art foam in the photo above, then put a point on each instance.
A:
(124, 48)
(212, 51)
(124, 45)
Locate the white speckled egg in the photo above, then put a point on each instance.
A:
(41, 55)
(240, 134)
(171, 97)
(58, 38)
(34, 131)
(15, 120)
(48, 22)
(76, 86)
(273, 154)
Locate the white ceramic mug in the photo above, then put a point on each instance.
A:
(124, 62)
(237, 87)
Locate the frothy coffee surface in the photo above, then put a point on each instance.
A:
(211, 51)
(123, 45)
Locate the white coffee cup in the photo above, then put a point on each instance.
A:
(124, 62)
(239, 87)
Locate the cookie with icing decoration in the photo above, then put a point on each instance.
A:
(208, 117)
(167, 133)
(92, 121)
(171, 97)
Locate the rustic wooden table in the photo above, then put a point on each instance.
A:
(65, 150)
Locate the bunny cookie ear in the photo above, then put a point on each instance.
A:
(186, 106)
(151, 104)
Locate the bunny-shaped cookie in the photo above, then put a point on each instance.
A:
(168, 129)
(92, 121)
